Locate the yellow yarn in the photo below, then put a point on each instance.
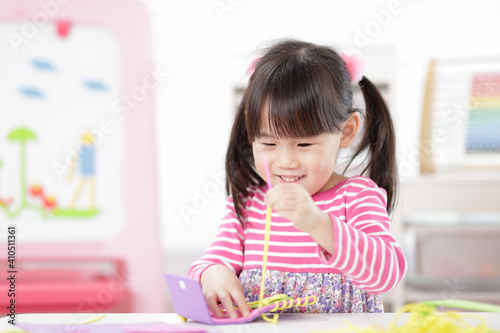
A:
(289, 303)
(89, 320)
(424, 319)
(285, 301)
(268, 300)
(274, 319)
(277, 299)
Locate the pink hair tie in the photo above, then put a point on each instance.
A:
(252, 66)
(355, 65)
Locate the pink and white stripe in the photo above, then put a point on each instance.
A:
(365, 251)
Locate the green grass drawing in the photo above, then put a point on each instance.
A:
(22, 136)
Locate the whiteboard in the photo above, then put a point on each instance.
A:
(59, 88)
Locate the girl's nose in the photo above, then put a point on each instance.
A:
(286, 159)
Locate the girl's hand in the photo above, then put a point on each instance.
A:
(293, 202)
(221, 284)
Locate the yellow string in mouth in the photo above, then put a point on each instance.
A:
(276, 298)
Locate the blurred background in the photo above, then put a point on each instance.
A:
(436, 62)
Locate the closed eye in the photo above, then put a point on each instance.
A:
(268, 144)
(304, 144)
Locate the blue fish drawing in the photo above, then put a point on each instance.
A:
(31, 92)
(95, 85)
(43, 65)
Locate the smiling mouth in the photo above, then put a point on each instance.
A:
(290, 179)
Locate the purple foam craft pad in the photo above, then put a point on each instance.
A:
(189, 302)
(110, 328)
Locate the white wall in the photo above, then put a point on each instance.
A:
(206, 52)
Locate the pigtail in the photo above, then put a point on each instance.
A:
(239, 161)
(379, 137)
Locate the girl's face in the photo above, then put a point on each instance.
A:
(309, 162)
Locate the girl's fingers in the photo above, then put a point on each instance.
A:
(241, 303)
(212, 305)
(227, 302)
(284, 192)
(285, 205)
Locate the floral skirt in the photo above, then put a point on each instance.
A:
(335, 293)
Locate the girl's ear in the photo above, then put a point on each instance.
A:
(349, 131)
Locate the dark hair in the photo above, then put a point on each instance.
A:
(308, 91)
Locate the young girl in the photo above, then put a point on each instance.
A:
(330, 235)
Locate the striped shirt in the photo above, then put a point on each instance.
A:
(365, 252)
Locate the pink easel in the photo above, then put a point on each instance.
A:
(134, 255)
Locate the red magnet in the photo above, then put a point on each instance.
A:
(63, 28)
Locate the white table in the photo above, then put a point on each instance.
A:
(287, 322)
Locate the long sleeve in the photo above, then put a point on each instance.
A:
(364, 249)
(227, 247)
